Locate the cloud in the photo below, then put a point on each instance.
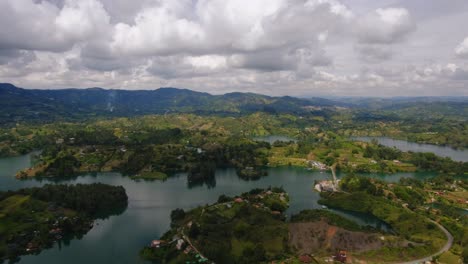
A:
(18, 58)
(379, 30)
(43, 26)
(384, 26)
(294, 47)
(225, 27)
(303, 59)
(170, 67)
(462, 49)
(374, 53)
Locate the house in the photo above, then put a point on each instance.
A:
(340, 256)
(180, 244)
(31, 247)
(157, 243)
(305, 258)
(55, 231)
(238, 200)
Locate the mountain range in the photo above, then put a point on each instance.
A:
(20, 104)
(44, 105)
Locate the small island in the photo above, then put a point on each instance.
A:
(33, 219)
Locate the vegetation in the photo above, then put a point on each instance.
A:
(150, 145)
(244, 229)
(407, 208)
(150, 135)
(327, 216)
(33, 219)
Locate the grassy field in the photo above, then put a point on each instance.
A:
(423, 236)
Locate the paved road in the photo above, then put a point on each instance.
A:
(447, 246)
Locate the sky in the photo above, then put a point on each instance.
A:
(275, 47)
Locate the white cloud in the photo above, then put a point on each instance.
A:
(40, 25)
(462, 49)
(293, 47)
(384, 26)
(379, 30)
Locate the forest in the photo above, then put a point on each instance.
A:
(33, 219)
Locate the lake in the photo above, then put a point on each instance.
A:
(443, 151)
(118, 239)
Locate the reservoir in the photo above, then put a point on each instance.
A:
(119, 238)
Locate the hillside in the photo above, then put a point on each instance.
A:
(19, 104)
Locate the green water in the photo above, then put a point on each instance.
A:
(119, 238)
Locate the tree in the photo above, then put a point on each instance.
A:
(177, 215)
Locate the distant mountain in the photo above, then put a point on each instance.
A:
(376, 103)
(20, 104)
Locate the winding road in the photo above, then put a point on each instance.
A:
(447, 246)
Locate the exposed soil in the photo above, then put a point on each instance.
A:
(320, 237)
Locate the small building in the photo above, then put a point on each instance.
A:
(340, 256)
(238, 200)
(55, 231)
(157, 243)
(305, 258)
(180, 244)
(31, 247)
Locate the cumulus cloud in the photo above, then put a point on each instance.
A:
(294, 47)
(225, 27)
(462, 49)
(378, 30)
(384, 26)
(32, 25)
